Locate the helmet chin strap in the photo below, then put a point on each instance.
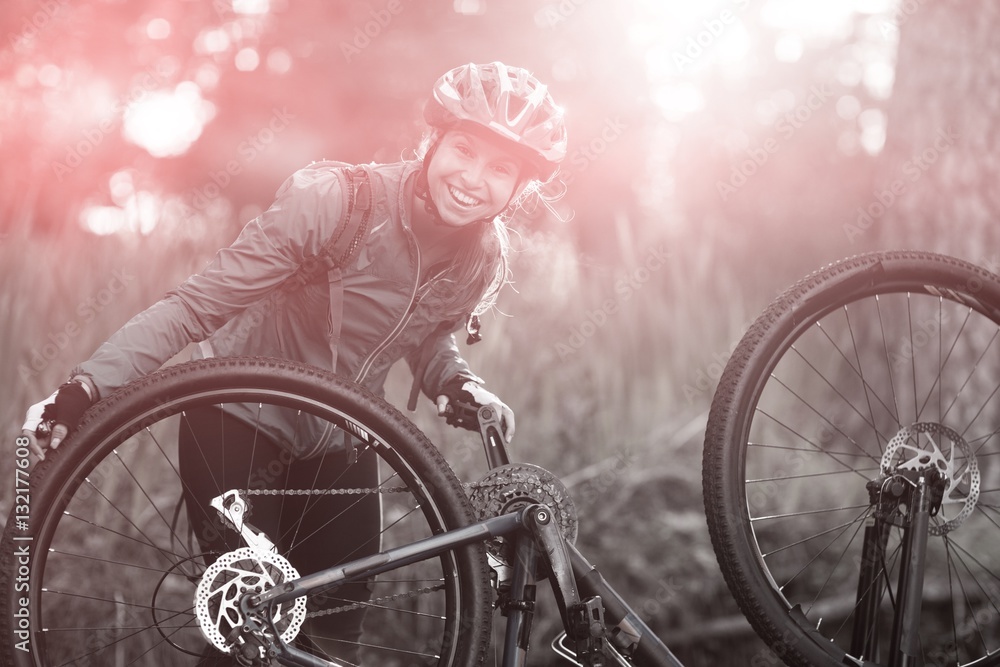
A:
(422, 189)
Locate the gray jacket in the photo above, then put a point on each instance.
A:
(357, 321)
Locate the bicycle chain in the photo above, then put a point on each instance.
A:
(540, 485)
(467, 486)
(321, 492)
(351, 492)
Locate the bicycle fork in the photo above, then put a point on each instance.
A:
(598, 642)
(904, 645)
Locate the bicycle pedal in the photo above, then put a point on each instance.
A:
(587, 618)
(586, 623)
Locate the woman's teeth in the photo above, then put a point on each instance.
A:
(462, 198)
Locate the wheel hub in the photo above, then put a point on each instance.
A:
(927, 446)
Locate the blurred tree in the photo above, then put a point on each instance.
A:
(767, 168)
(936, 186)
(340, 80)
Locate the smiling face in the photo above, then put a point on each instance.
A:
(471, 177)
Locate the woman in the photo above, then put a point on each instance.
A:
(426, 252)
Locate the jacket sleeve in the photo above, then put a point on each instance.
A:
(269, 249)
(434, 363)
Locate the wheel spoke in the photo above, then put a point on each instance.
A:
(804, 450)
(858, 525)
(938, 378)
(861, 471)
(787, 515)
(841, 527)
(857, 372)
(840, 395)
(116, 602)
(888, 347)
(972, 371)
(879, 437)
(849, 467)
(102, 596)
(131, 538)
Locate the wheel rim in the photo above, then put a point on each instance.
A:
(834, 394)
(118, 570)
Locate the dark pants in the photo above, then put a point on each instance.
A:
(314, 532)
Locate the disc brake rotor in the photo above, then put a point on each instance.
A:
(228, 579)
(918, 447)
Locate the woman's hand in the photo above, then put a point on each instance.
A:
(51, 421)
(467, 391)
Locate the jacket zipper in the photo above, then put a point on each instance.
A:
(410, 309)
(414, 301)
(400, 325)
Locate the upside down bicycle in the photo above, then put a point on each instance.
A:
(851, 474)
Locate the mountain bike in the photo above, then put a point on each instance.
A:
(850, 477)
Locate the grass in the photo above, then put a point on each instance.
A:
(611, 384)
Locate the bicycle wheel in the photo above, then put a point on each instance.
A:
(108, 566)
(882, 363)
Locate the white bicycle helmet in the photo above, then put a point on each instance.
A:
(508, 101)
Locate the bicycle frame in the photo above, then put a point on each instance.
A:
(538, 544)
(594, 615)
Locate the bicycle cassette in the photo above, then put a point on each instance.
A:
(228, 579)
(510, 487)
